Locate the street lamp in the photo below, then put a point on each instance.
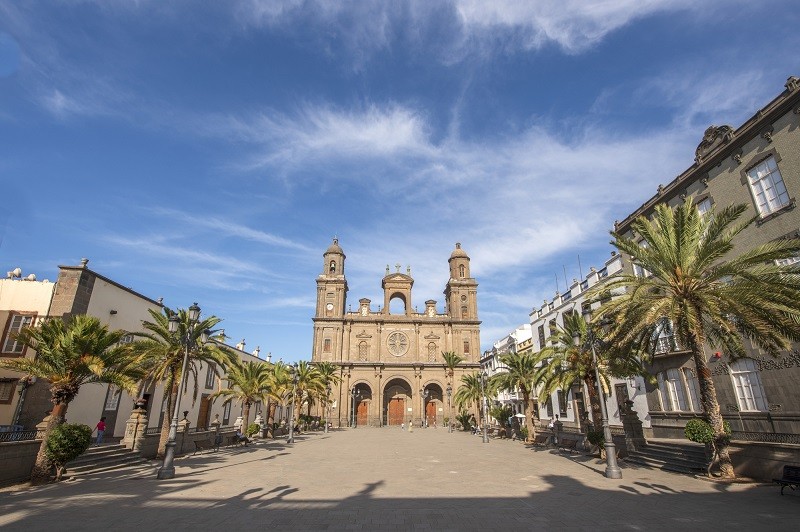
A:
(188, 341)
(612, 469)
(424, 394)
(449, 410)
(327, 405)
(355, 395)
(485, 416)
(290, 439)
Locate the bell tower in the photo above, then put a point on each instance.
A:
(461, 292)
(332, 284)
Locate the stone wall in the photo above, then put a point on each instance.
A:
(763, 461)
(17, 459)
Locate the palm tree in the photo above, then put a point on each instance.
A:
(451, 360)
(280, 386)
(69, 354)
(564, 363)
(708, 296)
(165, 352)
(309, 386)
(328, 376)
(248, 383)
(522, 375)
(470, 392)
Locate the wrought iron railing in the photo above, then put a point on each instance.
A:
(21, 435)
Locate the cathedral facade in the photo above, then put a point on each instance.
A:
(390, 363)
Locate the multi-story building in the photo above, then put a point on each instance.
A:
(79, 290)
(571, 406)
(757, 164)
(390, 359)
(518, 341)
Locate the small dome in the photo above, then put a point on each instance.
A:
(458, 252)
(335, 248)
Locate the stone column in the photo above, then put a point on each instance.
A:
(135, 429)
(634, 434)
(183, 429)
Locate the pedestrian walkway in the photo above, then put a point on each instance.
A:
(375, 479)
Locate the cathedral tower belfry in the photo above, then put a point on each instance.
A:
(390, 358)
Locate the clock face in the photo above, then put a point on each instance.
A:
(329, 306)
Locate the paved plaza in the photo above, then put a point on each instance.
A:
(373, 479)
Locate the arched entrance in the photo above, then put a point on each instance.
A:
(433, 404)
(396, 400)
(360, 399)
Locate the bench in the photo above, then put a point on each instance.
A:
(200, 445)
(791, 477)
(541, 440)
(568, 445)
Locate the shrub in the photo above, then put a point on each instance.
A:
(700, 431)
(597, 438)
(465, 419)
(67, 442)
(253, 428)
(524, 433)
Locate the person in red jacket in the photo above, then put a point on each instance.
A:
(101, 429)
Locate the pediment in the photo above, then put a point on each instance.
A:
(363, 334)
(432, 336)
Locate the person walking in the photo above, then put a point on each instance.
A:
(101, 430)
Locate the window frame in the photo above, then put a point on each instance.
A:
(753, 377)
(9, 330)
(746, 180)
(11, 386)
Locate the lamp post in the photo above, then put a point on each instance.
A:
(290, 439)
(327, 405)
(424, 394)
(612, 468)
(188, 341)
(485, 407)
(449, 410)
(354, 395)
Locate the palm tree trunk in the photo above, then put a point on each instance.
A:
(172, 385)
(273, 405)
(526, 396)
(246, 416)
(40, 474)
(594, 402)
(708, 396)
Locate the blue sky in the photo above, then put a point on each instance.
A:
(209, 152)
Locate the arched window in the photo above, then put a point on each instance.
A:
(332, 267)
(466, 346)
(464, 313)
(461, 270)
(432, 352)
(362, 351)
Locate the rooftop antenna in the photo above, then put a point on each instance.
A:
(580, 269)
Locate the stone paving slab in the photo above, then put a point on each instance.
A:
(388, 479)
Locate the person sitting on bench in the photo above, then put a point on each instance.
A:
(241, 438)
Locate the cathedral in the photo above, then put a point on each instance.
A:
(390, 358)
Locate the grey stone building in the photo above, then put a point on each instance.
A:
(758, 164)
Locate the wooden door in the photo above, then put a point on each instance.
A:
(204, 415)
(430, 413)
(361, 414)
(395, 410)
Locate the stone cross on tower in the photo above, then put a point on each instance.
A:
(398, 267)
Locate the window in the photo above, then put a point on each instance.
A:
(332, 267)
(112, 398)
(548, 405)
(562, 402)
(464, 314)
(15, 324)
(673, 391)
(540, 330)
(638, 271)
(7, 390)
(211, 374)
(466, 346)
(703, 206)
(432, 352)
(461, 270)
(362, 350)
(767, 185)
(226, 413)
(747, 382)
(694, 389)
(326, 345)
